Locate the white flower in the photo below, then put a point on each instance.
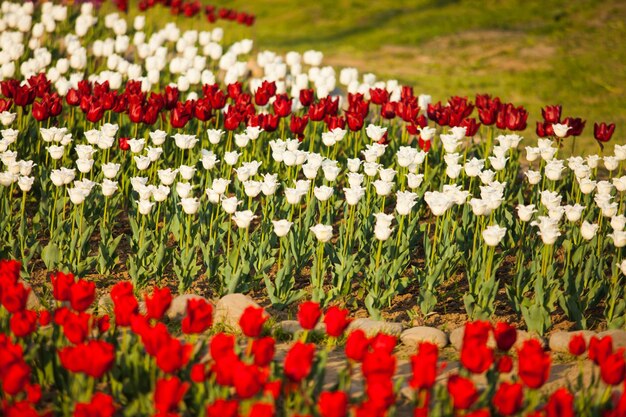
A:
(532, 154)
(26, 167)
(110, 170)
(525, 213)
(375, 133)
(11, 135)
(185, 141)
(354, 164)
(493, 235)
(323, 193)
(252, 188)
(548, 229)
(438, 202)
(293, 195)
(550, 199)
(77, 195)
(450, 142)
(533, 177)
(353, 195)
(588, 230)
(574, 212)
(160, 193)
(229, 204)
(370, 168)
(186, 172)
(414, 180)
(323, 233)
(270, 184)
(144, 206)
(136, 145)
(84, 165)
(282, 227)
(620, 183)
(405, 200)
(62, 176)
(6, 118)
(25, 183)
(592, 161)
(479, 207)
(56, 152)
(241, 140)
(208, 159)
(427, 133)
(405, 156)
(387, 174)
(622, 267)
(143, 162)
(453, 171)
(190, 204)
(154, 153)
(183, 189)
(243, 218)
(459, 132)
(382, 187)
(167, 176)
(618, 222)
(383, 219)
(498, 163)
(611, 163)
(618, 237)
(382, 232)
(474, 167)
(231, 157)
(554, 169)
(157, 137)
(586, 185)
(84, 151)
(330, 172)
(560, 130)
(620, 152)
(214, 197)
(108, 187)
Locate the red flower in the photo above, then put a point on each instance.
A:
(248, 381)
(101, 405)
(383, 342)
(533, 364)
(378, 365)
(15, 377)
(505, 336)
(476, 332)
(61, 284)
(40, 111)
(309, 314)
(234, 90)
(223, 408)
(198, 373)
(508, 398)
(221, 345)
(603, 132)
(613, 368)
(263, 350)
(261, 410)
(44, 318)
(282, 105)
(251, 321)
(168, 394)
(379, 95)
(299, 360)
(388, 110)
(356, 345)
(75, 325)
(504, 364)
(306, 96)
(23, 323)
(125, 308)
(199, 316)
(14, 297)
(123, 144)
(336, 321)
(355, 121)
(317, 111)
(333, 404)
(560, 404)
(576, 124)
(121, 289)
(424, 366)
(173, 355)
(94, 358)
(600, 349)
(82, 294)
(33, 393)
(471, 127)
(476, 358)
(298, 124)
(462, 391)
(551, 114)
(158, 303)
(577, 345)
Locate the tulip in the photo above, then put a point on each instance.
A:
(243, 218)
(323, 233)
(282, 227)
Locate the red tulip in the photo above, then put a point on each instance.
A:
(82, 294)
(379, 95)
(23, 323)
(603, 132)
(158, 303)
(379, 365)
(172, 355)
(577, 345)
(306, 96)
(355, 121)
(252, 320)
(282, 105)
(508, 398)
(223, 408)
(199, 316)
(248, 381)
(560, 404)
(533, 364)
(462, 391)
(14, 297)
(124, 309)
(263, 350)
(476, 333)
(471, 127)
(94, 358)
(309, 314)
(613, 368)
(317, 111)
(333, 404)
(505, 335)
(356, 345)
(234, 89)
(297, 125)
(476, 358)
(123, 144)
(61, 284)
(383, 342)
(221, 345)
(424, 366)
(576, 124)
(504, 364)
(44, 318)
(299, 361)
(262, 410)
(600, 349)
(15, 377)
(552, 114)
(336, 321)
(168, 393)
(101, 405)
(388, 110)
(40, 111)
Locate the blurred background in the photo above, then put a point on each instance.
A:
(530, 52)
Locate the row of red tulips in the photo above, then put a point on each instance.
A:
(73, 360)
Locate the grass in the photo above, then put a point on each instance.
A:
(530, 52)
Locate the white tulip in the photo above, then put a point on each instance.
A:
(438, 202)
(383, 188)
(382, 232)
(323, 233)
(154, 153)
(108, 187)
(525, 213)
(56, 152)
(144, 206)
(160, 193)
(158, 137)
(143, 162)
(405, 200)
(136, 145)
(534, 177)
(25, 183)
(618, 237)
(493, 235)
(281, 227)
(190, 205)
(252, 188)
(183, 189)
(375, 133)
(231, 157)
(560, 130)
(574, 212)
(77, 195)
(167, 176)
(323, 193)
(588, 230)
(243, 218)
(611, 163)
(186, 172)
(618, 222)
(354, 164)
(479, 207)
(215, 135)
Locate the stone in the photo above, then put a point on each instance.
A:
(618, 336)
(559, 341)
(105, 304)
(372, 327)
(413, 336)
(523, 336)
(178, 308)
(230, 307)
(293, 326)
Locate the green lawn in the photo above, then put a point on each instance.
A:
(530, 52)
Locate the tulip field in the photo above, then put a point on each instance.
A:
(137, 163)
